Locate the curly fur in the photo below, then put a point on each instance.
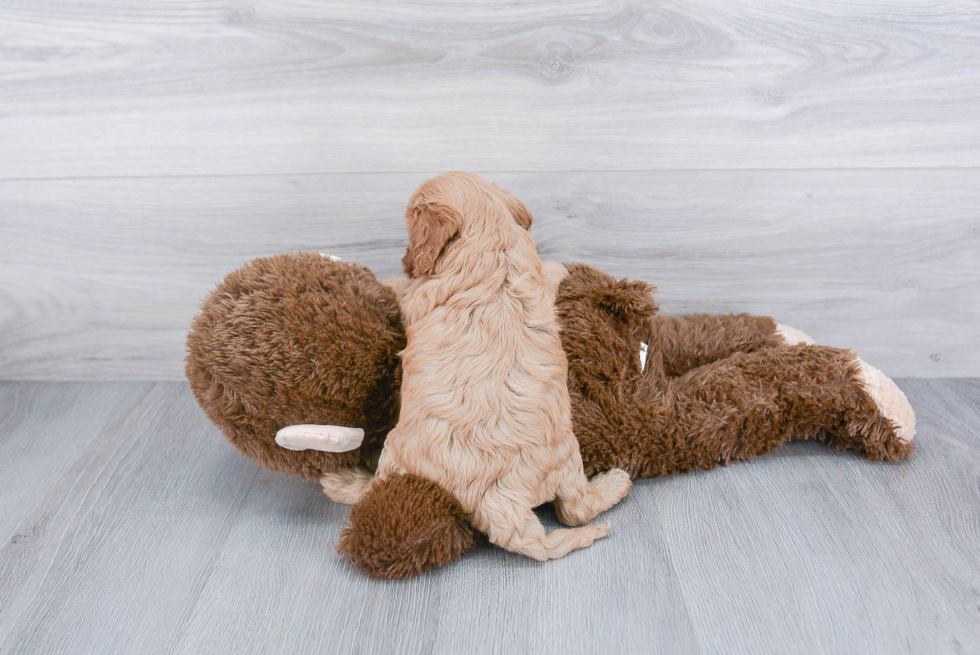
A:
(485, 407)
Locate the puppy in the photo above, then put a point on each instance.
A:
(485, 409)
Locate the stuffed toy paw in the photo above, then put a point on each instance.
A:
(306, 347)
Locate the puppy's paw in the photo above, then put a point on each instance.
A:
(615, 484)
(608, 488)
(553, 273)
(346, 486)
(559, 543)
(792, 336)
(890, 400)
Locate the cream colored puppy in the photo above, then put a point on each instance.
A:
(485, 409)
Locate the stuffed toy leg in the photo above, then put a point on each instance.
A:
(301, 340)
(712, 388)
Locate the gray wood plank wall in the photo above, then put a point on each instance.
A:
(818, 163)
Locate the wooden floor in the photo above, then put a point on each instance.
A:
(129, 525)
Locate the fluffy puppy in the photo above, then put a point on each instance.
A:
(485, 410)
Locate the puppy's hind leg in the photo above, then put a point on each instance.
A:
(346, 486)
(519, 531)
(579, 500)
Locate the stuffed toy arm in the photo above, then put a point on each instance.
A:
(345, 485)
(688, 342)
(325, 438)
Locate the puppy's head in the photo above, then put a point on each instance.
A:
(438, 209)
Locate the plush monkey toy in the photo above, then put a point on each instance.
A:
(292, 343)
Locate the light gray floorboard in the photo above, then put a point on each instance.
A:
(118, 545)
(278, 581)
(124, 88)
(894, 546)
(155, 536)
(33, 427)
(104, 276)
(621, 595)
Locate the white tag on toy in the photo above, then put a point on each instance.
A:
(643, 356)
(327, 438)
(332, 258)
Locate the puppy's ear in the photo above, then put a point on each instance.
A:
(517, 208)
(408, 262)
(520, 212)
(432, 222)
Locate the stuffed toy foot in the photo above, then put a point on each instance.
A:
(303, 339)
(791, 336)
(890, 400)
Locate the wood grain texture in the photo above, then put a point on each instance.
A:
(104, 276)
(32, 429)
(806, 526)
(118, 545)
(124, 88)
(155, 536)
(146, 150)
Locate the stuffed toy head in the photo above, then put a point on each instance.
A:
(298, 339)
(305, 339)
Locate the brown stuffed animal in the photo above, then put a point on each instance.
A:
(303, 339)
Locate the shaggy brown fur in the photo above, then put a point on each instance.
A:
(297, 339)
(687, 342)
(714, 389)
(406, 526)
(485, 408)
(700, 402)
